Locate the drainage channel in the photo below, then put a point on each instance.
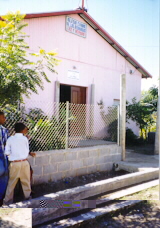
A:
(104, 203)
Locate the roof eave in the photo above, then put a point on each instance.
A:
(50, 14)
(114, 43)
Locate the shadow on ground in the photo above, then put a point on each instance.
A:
(9, 224)
(143, 215)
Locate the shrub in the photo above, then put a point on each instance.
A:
(130, 137)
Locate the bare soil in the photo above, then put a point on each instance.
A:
(66, 183)
(145, 214)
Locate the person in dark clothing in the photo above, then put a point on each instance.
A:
(3, 158)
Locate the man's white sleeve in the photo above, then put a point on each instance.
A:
(8, 147)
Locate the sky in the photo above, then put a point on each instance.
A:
(134, 24)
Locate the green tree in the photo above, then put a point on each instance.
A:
(151, 97)
(18, 75)
(143, 112)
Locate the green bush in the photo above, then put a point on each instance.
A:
(130, 137)
(112, 131)
(45, 133)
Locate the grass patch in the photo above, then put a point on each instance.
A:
(147, 194)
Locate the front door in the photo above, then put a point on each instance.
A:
(78, 95)
(78, 110)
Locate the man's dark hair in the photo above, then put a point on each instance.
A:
(1, 112)
(19, 127)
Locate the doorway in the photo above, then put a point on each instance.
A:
(73, 94)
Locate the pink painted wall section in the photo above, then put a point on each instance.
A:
(95, 60)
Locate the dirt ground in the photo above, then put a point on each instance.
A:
(66, 183)
(16, 218)
(145, 214)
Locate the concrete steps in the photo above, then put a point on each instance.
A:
(95, 213)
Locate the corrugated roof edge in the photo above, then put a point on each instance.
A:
(100, 31)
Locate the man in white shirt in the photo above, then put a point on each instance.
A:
(17, 148)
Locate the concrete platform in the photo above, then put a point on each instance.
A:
(81, 141)
(138, 162)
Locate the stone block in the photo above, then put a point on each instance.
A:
(108, 158)
(104, 151)
(116, 158)
(91, 169)
(39, 153)
(37, 170)
(70, 173)
(114, 149)
(93, 153)
(82, 154)
(119, 150)
(31, 160)
(57, 157)
(88, 161)
(44, 160)
(110, 166)
(81, 171)
(70, 156)
(41, 179)
(64, 166)
(77, 164)
(105, 166)
(46, 178)
(57, 176)
(98, 168)
(100, 160)
(48, 169)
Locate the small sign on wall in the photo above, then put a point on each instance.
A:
(73, 75)
(76, 27)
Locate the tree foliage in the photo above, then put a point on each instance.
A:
(143, 112)
(151, 97)
(18, 75)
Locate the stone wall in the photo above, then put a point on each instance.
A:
(58, 164)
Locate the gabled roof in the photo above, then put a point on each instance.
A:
(89, 20)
